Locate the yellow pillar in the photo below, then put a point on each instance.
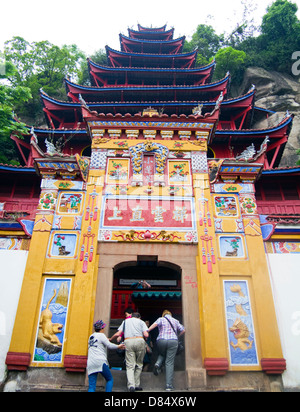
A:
(214, 351)
(19, 355)
(267, 328)
(27, 309)
(84, 289)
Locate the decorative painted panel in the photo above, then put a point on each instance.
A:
(239, 324)
(142, 212)
(199, 162)
(47, 201)
(52, 321)
(146, 124)
(7, 243)
(284, 247)
(98, 159)
(63, 244)
(53, 184)
(227, 214)
(248, 204)
(226, 206)
(234, 188)
(179, 172)
(117, 171)
(68, 215)
(139, 219)
(70, 203)
(161, 153)
(232, 246)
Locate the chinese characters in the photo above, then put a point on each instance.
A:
(148, 213)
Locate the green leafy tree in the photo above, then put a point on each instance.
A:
(98, 57)
(206, 41)
(230, 60)
(281, 33)
(41, 65)
(10, 96)
(279, 38)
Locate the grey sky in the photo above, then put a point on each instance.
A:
(91, 25)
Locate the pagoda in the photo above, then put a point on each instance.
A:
(151, 172)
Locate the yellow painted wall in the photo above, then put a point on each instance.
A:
(211, 272)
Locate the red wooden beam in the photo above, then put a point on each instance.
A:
(278, 145)
(52, 116)
(73, 97)
(95, 78)
(20, 143)
(278, 142)
(274, 157)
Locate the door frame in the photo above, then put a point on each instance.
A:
(184, 256)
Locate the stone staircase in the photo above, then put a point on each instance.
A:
(36, 382)
(149, 382)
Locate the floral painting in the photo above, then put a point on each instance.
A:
(179, 172)
(63, 244)
(231, 246)
(70, 203)
(248, 205)
(117, 171)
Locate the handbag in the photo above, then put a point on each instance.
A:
(180, 348)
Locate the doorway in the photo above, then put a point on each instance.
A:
(144, 261)
(148, 286)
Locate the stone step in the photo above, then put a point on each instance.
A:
(149, 382)
(57, 380)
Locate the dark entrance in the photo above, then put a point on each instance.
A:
(148, 286)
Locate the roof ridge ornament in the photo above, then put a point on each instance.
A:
(250, 154)
(43, 92)
(83, 102)
(197, 111)
(53, 147)
(219, 101)
(150, 111)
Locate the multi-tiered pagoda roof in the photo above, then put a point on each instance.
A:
(150, 78)
(105, 76)
(130, 44)
(152, 70)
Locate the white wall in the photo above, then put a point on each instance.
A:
(12, 267)
(285, 277)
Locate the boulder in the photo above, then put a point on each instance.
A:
(280, 93)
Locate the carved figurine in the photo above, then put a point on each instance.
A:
(241, 334)
(49, 329)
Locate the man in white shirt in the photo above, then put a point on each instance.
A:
(134, 330)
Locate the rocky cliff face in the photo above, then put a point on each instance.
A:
(281, 93)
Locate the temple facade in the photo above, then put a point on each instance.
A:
(154, 173)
